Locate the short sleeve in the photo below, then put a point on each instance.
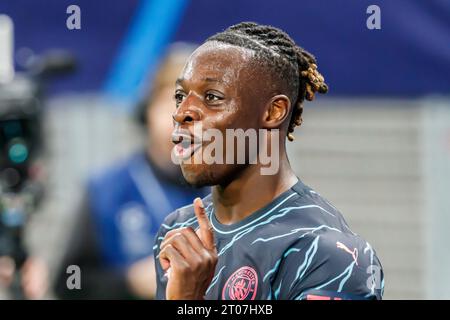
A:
(329, 266)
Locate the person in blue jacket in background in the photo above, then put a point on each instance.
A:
(123, 208)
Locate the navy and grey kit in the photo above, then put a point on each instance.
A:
(297, 247)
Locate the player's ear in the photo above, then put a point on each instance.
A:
(276, 112)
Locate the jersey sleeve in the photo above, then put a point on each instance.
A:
(329, 267)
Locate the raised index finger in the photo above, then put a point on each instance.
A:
(206, 233)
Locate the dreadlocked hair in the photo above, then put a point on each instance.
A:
(295, 67)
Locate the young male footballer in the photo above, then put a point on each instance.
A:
(256, 236)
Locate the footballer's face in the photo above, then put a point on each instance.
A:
(219, 88)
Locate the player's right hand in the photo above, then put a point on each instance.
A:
(189, 258)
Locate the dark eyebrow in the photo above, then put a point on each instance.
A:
(207, 79)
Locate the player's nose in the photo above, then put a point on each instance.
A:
(185, 117)
(186, 113)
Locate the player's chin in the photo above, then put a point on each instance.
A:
(202, 175)
(197, 175)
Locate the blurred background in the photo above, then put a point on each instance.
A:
(85, 91)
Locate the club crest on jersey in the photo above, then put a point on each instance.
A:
(241, 285)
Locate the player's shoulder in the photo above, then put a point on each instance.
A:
(184, 216)
(323, 219)
(322, 226)
(309, 209)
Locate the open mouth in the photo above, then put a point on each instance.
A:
(185, 145)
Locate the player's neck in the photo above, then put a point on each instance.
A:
(251, 191)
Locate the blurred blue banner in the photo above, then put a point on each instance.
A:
(152, 29)
(408, 56)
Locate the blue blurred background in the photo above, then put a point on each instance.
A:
(408, 56)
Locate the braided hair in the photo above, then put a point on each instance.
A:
(295, 67)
